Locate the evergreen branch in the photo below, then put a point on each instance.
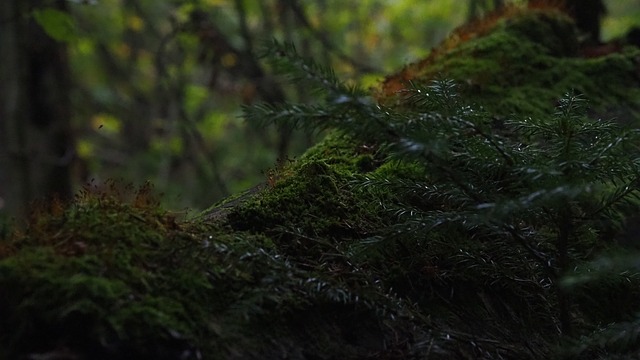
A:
(631, 188)
(286, 60)
(615, 338)
(541, 186)
(298, 116)
(542, 258)
(492, 141)
(571, 106)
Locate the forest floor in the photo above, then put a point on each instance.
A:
(316, 263)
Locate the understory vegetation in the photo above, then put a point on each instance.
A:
(425, 225)
(485, 196)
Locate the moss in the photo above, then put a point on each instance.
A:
(527, 62)
(316, 214)
(107, 278)
(102, 276)
(314, 195)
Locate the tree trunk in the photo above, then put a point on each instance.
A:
(36, 142)
(587, 14)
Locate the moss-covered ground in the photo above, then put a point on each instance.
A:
(523, 63)
(291, 270)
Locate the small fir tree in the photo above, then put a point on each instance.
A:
(558, 187)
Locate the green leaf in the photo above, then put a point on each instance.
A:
(59, 25)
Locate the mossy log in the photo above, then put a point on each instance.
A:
(278, 272)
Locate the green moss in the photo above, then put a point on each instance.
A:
(528, 62)
(102, 275)
(111, 279)
(314, 194)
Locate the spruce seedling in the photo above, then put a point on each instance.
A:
(551, 185)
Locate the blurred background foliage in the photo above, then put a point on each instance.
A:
(156, 86)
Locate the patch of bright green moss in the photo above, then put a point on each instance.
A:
(315, 195)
